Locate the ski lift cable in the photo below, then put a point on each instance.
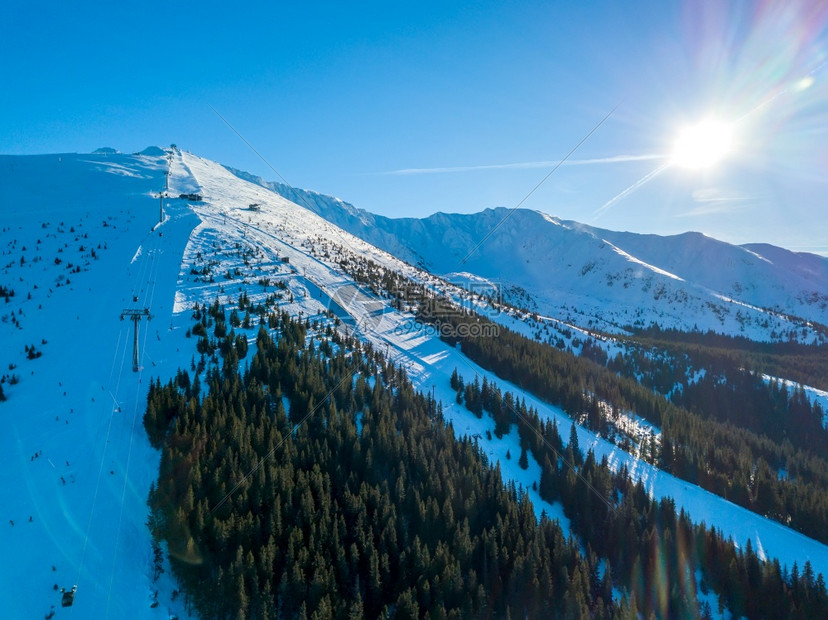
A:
(101, 463)
(260, 156)
(149, 290)
(151, 295)
(140, 279)
(115, 356)
(532, 191)
(106, 443)
(142, 274)
(152, 277)
(155, 267)
(143, 270)
(543, 439)
(123, 493)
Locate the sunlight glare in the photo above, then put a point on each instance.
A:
(703, 145)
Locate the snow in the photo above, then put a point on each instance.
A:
(92, 528)
(469, 425)
(814, 395)
(296, 231)
(702, 506)
(601, 278)
(638, 261)
(711, 599)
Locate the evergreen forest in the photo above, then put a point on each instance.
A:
(304, 477)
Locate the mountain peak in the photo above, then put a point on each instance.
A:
(154, 151)
(606, 278)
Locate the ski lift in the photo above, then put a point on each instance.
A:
(68, 596)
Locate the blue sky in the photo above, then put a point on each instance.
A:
(410, 108)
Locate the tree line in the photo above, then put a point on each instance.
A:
(316, 483)
(704, 443)
(651, 551)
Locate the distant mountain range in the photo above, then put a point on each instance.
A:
(601, 278)
(85, 247)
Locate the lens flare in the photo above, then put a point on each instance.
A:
(703, 145)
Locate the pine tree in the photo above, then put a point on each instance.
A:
(523, 461)
(402, 516)
(574, 446)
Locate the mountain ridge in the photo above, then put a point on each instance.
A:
(83, 243)
(616, 280)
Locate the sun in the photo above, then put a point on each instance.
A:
(703, 145)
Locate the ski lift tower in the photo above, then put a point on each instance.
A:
(135, 314)
(161, 196)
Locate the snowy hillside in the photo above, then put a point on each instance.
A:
(601, 278)
(77, 249)
(81, 243)
(315, 247)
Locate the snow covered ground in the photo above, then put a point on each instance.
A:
(430, 361)
(77, 459)
(600, 278)
(77, 464)
(815, 396)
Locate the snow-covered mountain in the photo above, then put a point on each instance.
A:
(83, 240)
(602, 278)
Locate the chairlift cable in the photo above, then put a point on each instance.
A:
(153, 264)
(103, 457)
(154, 268)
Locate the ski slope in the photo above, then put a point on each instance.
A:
(600, 278)
(77, 459)
(304, 237)
(77, 464)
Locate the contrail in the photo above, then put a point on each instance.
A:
(799, 85)
(645, 179)
(616, 159)
(542, 181)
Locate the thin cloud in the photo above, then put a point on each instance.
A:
(711, 208)
(645, 179)
(822, 250)
(715, 194)
(715, 200)
(616, 159)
